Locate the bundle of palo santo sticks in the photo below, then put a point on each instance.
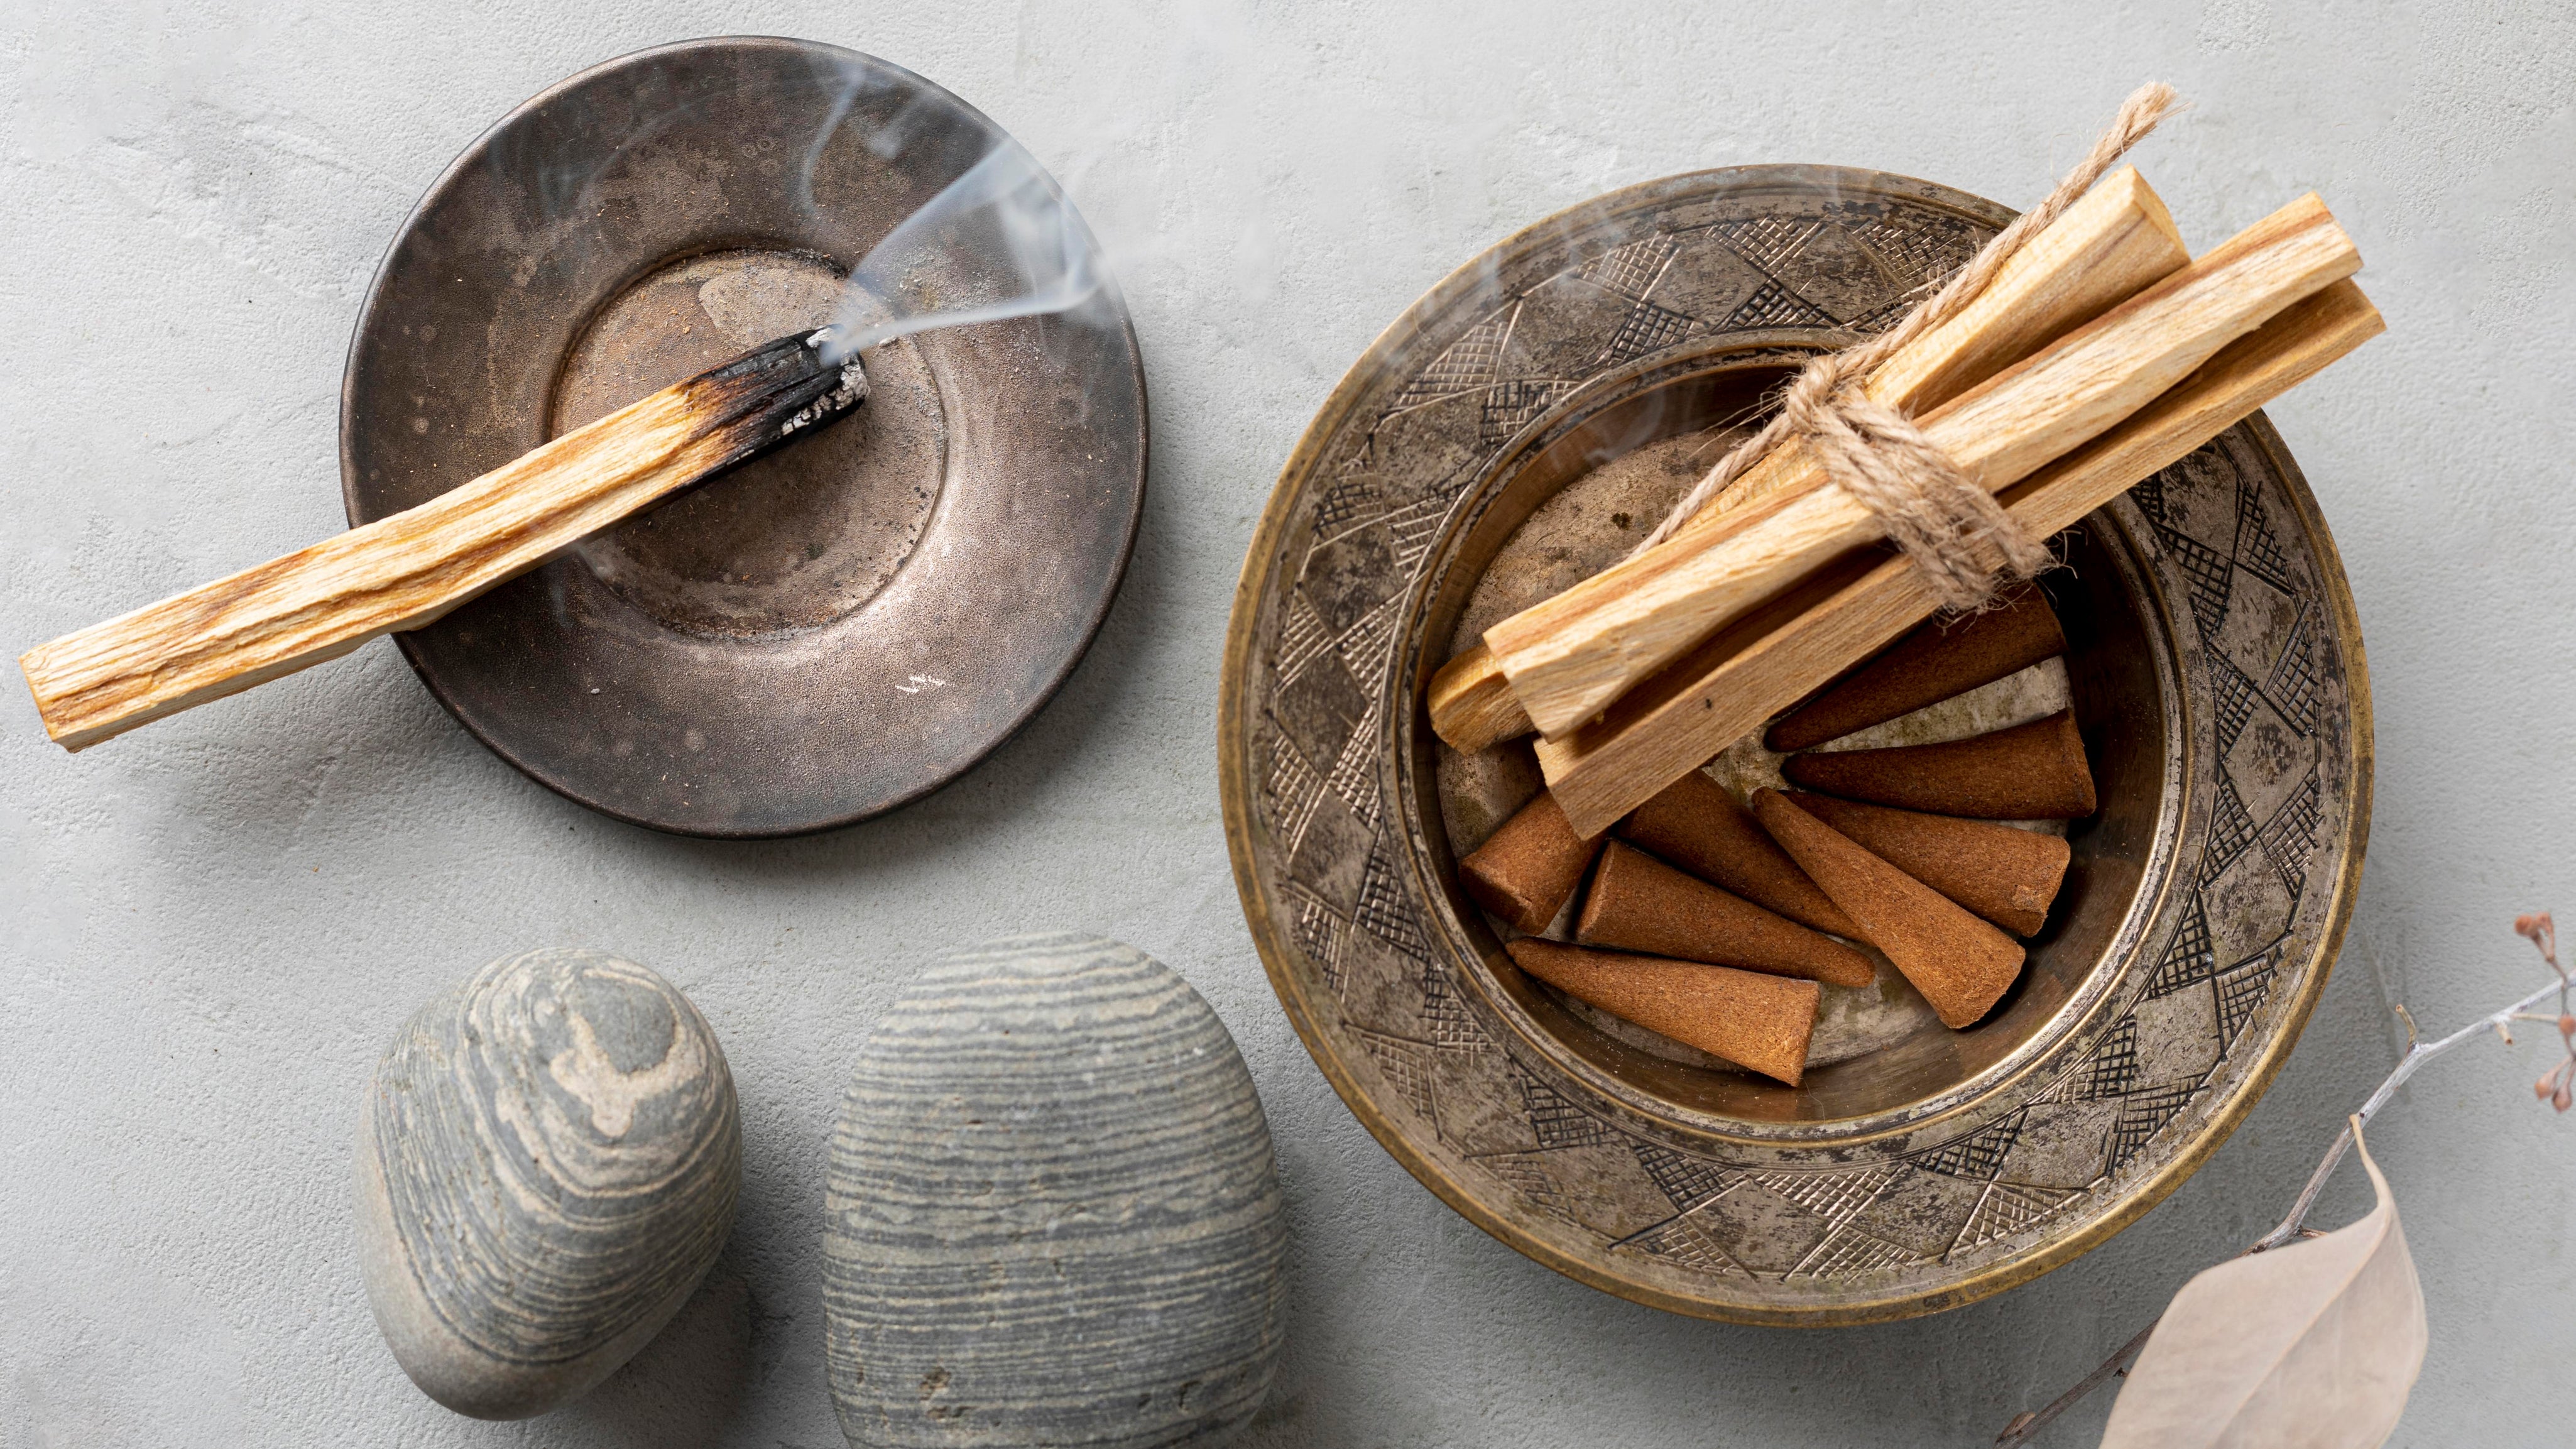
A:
(2099, 353)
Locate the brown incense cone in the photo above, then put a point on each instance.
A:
(1760, 1023)
(1638, 903)
(1959, 963)
(1939, 659)
(1527, 870)
(2033, 771)
(1696, 825)
(2006, 875)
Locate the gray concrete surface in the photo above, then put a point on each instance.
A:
(208, 930)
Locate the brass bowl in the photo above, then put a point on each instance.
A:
(2215, 666)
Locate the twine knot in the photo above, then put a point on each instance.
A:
(1959, 535)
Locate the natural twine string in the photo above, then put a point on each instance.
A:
(1956, 532)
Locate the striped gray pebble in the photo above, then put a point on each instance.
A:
(1050, 1215)
(547, 1166)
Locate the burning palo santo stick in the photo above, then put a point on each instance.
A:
(1744, 675)
(404, 571)
(2110, 244)
(1570, 656)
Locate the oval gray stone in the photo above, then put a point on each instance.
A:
(1051, 1214)
(547, 1166)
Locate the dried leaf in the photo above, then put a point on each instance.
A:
(2315, 1344)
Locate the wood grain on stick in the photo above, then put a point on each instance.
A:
(1771, 659)
(1471, 704)
(404, 571)
(2115, 241)
(2108, 247)
(1570, 656)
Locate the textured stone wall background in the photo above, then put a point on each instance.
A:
(208, 930)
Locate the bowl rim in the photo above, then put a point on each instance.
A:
(1238, 791)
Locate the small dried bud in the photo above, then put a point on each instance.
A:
(2567, 1025)
(2562, 1098)
(2542, 933)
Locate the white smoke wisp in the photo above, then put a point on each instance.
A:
(1005, 209)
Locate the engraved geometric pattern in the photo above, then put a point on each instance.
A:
(2234, 694)
(2145, 1113)
(1923, 253)
(1319, 935)
(1468, 364)
(2295, 680)
(1385, 911)
(1305, 636)
(2241, 994)
(1533, 1181)
(1648, 327)
(1977, 1156)
(1445, 1018)
(2113, 1068)
(2207, 569)
(1774, 305)
(1833, 1196)
(1767, 242)
(1410, 530)
(1685, 1181)
(1354, 491)
(2189, 961)
(2006, 1211)
(2292, 834)
(1850, 1253)
(1510, 406)
(1406, 1065)
(1349, 895)
(1367, 645)
(1292, 787)
(1557, 1121)
(2258, 549)
(1353, 782)
(2231, 830)
(1631, 270)
(1686, 1242)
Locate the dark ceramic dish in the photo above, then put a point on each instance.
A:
(835, 629)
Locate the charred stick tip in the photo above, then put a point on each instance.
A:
(783, 387)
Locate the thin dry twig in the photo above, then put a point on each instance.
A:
(2557, 1086)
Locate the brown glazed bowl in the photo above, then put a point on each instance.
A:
(2215, 668)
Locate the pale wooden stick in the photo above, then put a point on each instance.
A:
(1570, 656)
(1471, 703)
(2106, 247)
(1801, 639)
(403, 571)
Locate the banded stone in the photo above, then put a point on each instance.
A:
(547, 1166)
(1051, 1214)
